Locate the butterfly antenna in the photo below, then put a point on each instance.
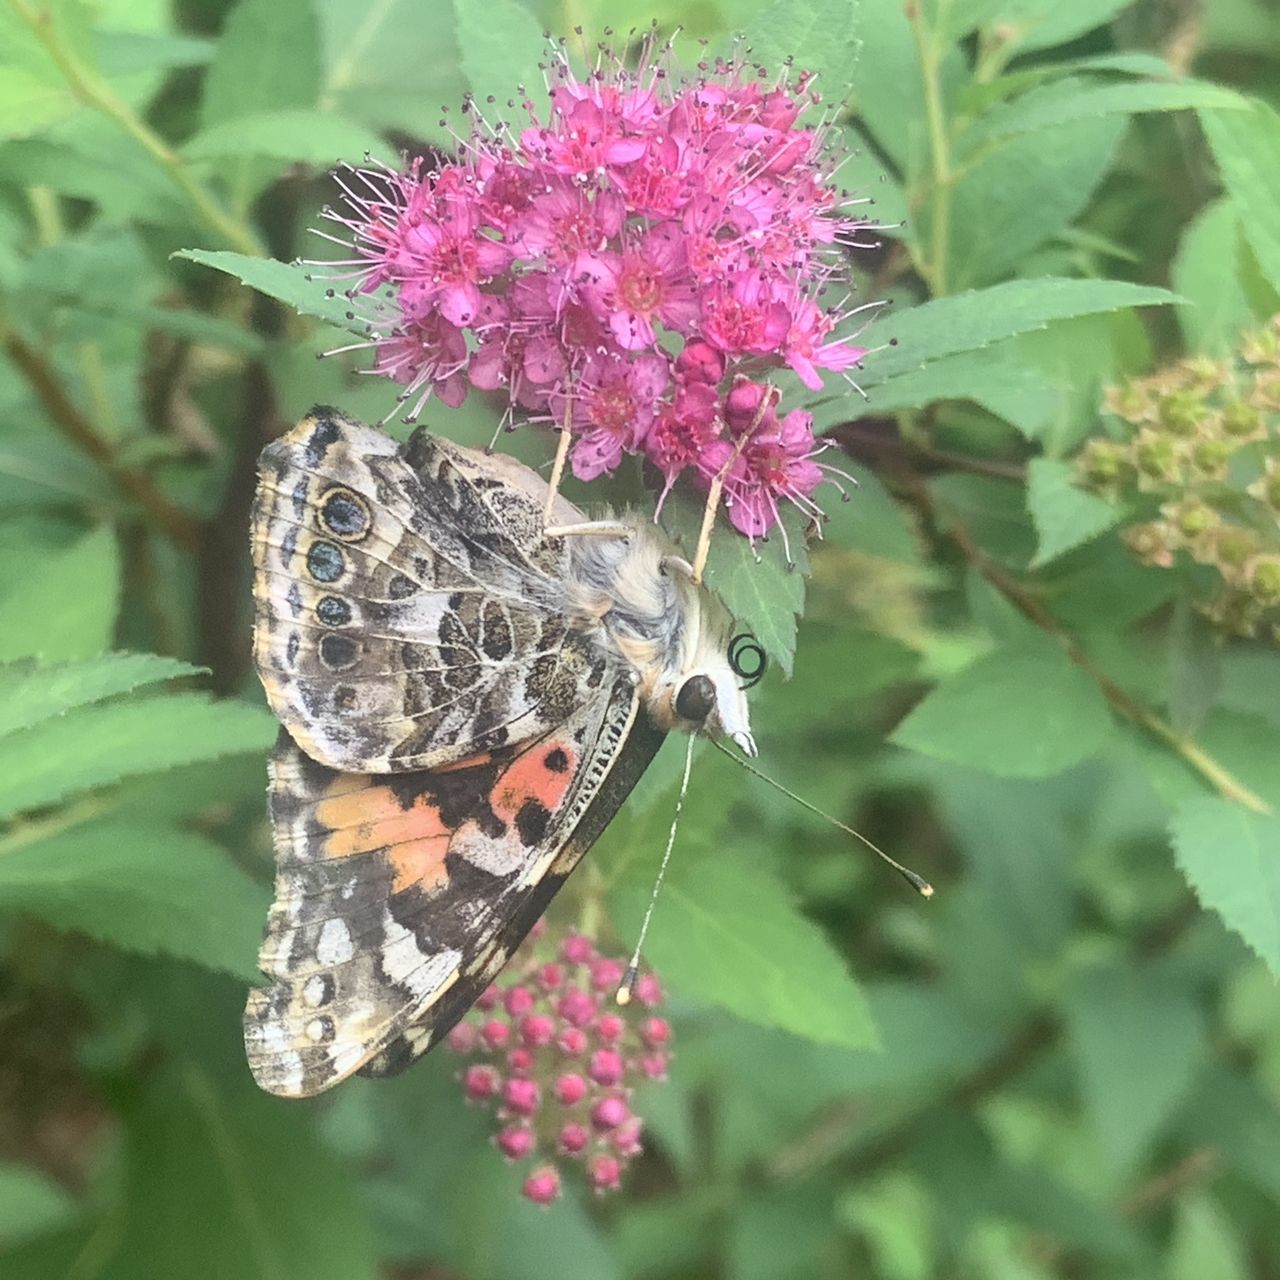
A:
(623, 994)
(917, 882)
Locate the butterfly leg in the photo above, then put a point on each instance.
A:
(588, 528)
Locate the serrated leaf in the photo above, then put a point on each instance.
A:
(1246, 145)
(969, 321)
(150, 889)
(1070, 100)
(813, 35)
(1207, 272)
(1040, 24)
(65, 605)
(30, 693)
(98, 745)
(274, 1204)
(729, 933)
(1022, 711)
(289, 284)
(1064, 514)
(309, 136)
(1231, 857)
(501, 44)
(31, 1203)
(1138, 1037)
(756, 585)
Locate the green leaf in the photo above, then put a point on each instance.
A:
(992, 377)
(102, 744)
(1017, 195)
(813, 35)
(1138, 1037)
(1064, 514)
(309, 136)
(1072, 100)
(1205, 1243)
(273, 1203)
(977, 318)
(502, 44)
(30, 693)
(1207, 272)
(1232, 859)
(268, 58)
(65, 605)
(758, 587)
(1023, 711)
(144, 888)
(307, 295)
(31, 1203)
(1040, 24)
(729, 934)
(1246, 145)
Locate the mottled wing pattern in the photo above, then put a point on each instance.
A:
(409, 612)
(399, 896)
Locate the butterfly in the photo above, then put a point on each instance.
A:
(467, 695)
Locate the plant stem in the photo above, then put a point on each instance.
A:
(67, 417)
(94, 91)
(1218, 777)
(928, 53)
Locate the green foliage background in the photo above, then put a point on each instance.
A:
(1067, 1064)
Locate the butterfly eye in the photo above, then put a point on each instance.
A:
(747, 659)
(696, 699)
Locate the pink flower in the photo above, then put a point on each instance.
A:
(626, 258)
(542, 1186)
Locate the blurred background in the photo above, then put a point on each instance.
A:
(1037, 662)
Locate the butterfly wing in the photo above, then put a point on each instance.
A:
(399, 896)
(409, 612)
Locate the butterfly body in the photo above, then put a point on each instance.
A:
(465, 702)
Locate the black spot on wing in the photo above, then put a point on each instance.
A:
(532, 821)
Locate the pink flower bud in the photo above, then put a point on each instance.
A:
(539, 928)
(743, 403)
(495, 1034)
(521, 1096)
(573, 1137)
(481, 1082)
(700, 362)
(462, 1038)
(550, 976)
(520, 1060)
(654, 1065)
(655, 1032)
(537, 1029)
(518, 1001)
(649, 990)
(576, 1007)
(569, 1089)
(610, 1027)
(488, 998)
(576, 949)
(604, 1172)
(516, 1141)
(542, 1186)
(572, 1041)
(625, 1139)
(606, 975)
(607, 1067)
(609, 1113)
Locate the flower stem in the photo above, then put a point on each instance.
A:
(928, 51)
(96, 92)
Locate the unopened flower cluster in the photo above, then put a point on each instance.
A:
(631, 267)
(1202, 453)
(557, 1059)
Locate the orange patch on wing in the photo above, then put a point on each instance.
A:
(543, 773)
(416, 839)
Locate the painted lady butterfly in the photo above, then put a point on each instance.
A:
(467, 698)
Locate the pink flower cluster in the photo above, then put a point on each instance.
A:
(557, 1059)
(631, 268)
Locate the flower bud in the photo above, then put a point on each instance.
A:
(606, 974)
(609, 1113)
(1180, 413)
(570, 1089)
(495, 1033)
(463, 1037)
(520, 1060)
(536, 1029)
(655, 1031)
(576, 1007)
(1264, 580)
(550, 976)
(516, 1141)
(481, 1082)
(700, 362)
(518, 1001)
(1156, 457)
(610, 1028)
(607, 1067)
(576, 949)
(648, 990)
(604, 1172)
(521, 1096)
(572, 1041)
(573, 1137)
(1234, 547)
(542, 1186)
(1241, 421)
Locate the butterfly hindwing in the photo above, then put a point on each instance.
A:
(398, 896)
(409, 612)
